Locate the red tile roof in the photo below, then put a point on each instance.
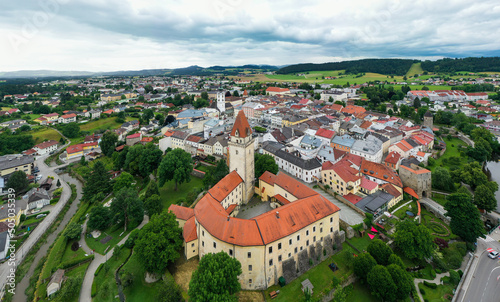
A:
(189, 230)
(419, 171)
(46, 144)
(281, 199)
(74, 149)
(225, 186)
(368, 184)
(268, 178)
(293, 217)
(277, 89)
(411, 192)
(351, 109)
(293, 186)
(181, 212)
(381, 172)
(231, 208)
(354, 199)
(66, 116)
(241, 125)
(393, 157)
(391, 190)
(135, 135)
(344, 170)
(325, 133)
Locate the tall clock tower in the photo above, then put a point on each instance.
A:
(241, 154)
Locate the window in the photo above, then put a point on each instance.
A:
(249, 281)
(279, 258)
(289, 255)
(203, 243)
(298, 237)
(295, 250)
(202, 233)
(249, 255)
(279, 246)
(331, 230)
(321, 230)
(307, 243)
(314, 239)
(270, 249)
(215, 245)
(301, 248)
(230, 252)
(331, 219)
(192, 244)
(270, 262)
(307, 233)
(314, 229)
(290, 242)
(249, 268)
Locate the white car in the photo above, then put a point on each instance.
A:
(493, 254)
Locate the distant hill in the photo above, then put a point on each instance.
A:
(191, 70)
(382, 66)
(465, 64)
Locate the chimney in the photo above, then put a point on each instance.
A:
(228, 217)
(277, 214)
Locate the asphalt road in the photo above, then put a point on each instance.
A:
(484, 284)
(42, 227)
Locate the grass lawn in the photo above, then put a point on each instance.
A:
(320, 276)
(140, 290)
(113, 231)
(32, 220)
(412, 206)
(452, 150)
(361, 293)
(182, 270)
(436, 295)
(69, 254)
(361, 243)
(79, 271)
(169, 195)
(416, 68)
(439, 228)
(439, 198)
(104, 282)
(45, 134)
(203, 168)
(102, 124)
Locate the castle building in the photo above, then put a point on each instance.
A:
(277, 243)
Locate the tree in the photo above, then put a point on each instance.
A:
(58, 184)
(18, 181)
(153, 205)
(381, 283)
(465, 217)
(70, 289)
(379, 251)
(125, 180)
(363, 265)
(108, 143)
(441, 179)
(98, 181)
(177, 166)
(71, 130)
(169, 292)
(200, 103)
(73, 231)
(414, 240)
(169, 119)
(204, 95)
(395, 259)
(402, 280)
(484, 198)
(215, 279)
(159, 242)
(119, 158)
(126, 207)
(263, 163)
(147, 115)
(150, 159)
(151, 189)
(133, 159)
(99, 218)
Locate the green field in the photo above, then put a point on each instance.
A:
(140, 290)
(416, 68)
(452, 150)
(169, 195)
(361, 293)
(316, 77)
(101, 124)
(113, 231)
(45, 134)
(321, 277)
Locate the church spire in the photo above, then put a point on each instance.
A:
(241, 128)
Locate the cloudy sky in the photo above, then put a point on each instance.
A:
(108, 35)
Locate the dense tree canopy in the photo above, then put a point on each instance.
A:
(73, 231)
(215, 279)
(18, 181)
(159, 242)
(71, 130)
(380, 251)
(363, 265)
(97, 182)
(125, 180)
(153, 205)
(414, 240)
(214, 175)
(108, 143)
(177, 166)
(402, 281)
(263, 163)
(381, 283)
(99, 218)
(465, 217)
(127, 207)
(441, 179)
(484, 198)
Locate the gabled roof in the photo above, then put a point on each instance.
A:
(325, 133)
(381, 172)
(294, 187)
(225, 186)
(181, 212)
(241, 126)
(393, 157)
(268, 178)
(46, 144)
(189, 230)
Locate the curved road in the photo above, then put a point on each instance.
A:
(40, 229)
(20, 296)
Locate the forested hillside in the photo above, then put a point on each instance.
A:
(383, 66)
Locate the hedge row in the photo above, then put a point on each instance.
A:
(75, 261)
(430, 285)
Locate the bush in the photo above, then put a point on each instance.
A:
(422, 291)
(433, 274)
(98, 269)
(335, 281)
(430, 285)
(454, 277)
(129, 243)
(93, 292)
(438, 271)
(75, 261)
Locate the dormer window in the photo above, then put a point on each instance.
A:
(237, 133)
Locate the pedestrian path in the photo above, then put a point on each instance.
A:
(488, 239)
(436, 280)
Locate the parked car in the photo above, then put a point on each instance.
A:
(493, 254)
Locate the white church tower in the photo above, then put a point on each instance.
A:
(221, 101)
(241, 154)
